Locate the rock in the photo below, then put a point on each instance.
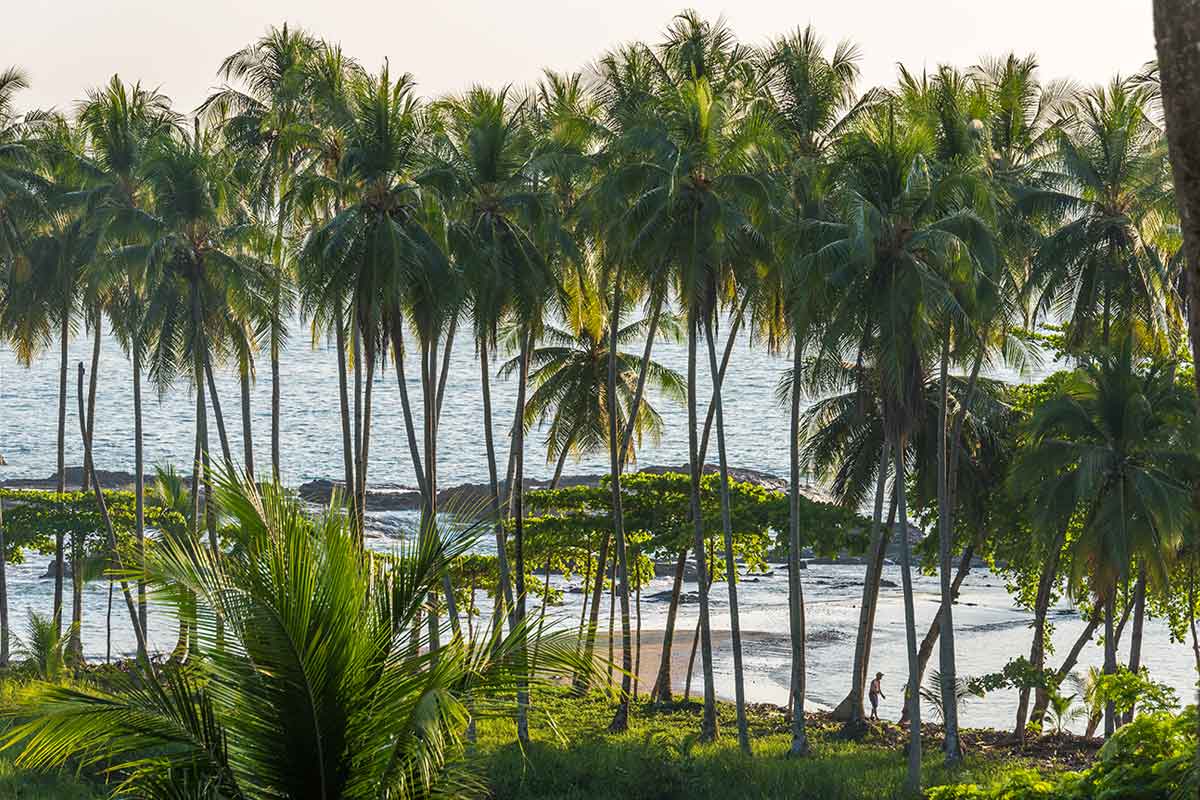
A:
(886, 584)
(52, 569)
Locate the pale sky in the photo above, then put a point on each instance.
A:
(67, 46)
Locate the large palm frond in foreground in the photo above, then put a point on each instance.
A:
(312, 680)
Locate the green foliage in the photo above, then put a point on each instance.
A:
(1149, 759)
(1018, 673)
(1125, 689)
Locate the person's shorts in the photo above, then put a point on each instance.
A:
(874, 700)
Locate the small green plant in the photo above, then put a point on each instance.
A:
(1063, 711)
(44, 647)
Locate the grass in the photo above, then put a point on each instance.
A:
(572, 757)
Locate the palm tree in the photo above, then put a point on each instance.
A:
(499, 219)
(894, 268)
(325, 684)
(1115, 450)
(197, 269)
(122, 124)
(813, 97)
(262, 109)
(699, 190)
(1109, 182)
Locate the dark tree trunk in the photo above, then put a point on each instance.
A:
(59, 555)
(4, 631)
(795, 586)
(1135, 639)
(1068, 664)
(910, 631)
(97, 327)
(851, 709)
(945, 617)
(708, 726)
(214, 398)
(662, 690)
(348, 451)
(247, 421)
(506, 593)
(518, 493)
(139, 482)
(1041, 607)
(620, 722)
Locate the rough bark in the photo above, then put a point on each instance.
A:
(910, 630)
(620, 721)
(708, 725)
(799, 745)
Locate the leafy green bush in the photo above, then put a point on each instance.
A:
(1149, 759)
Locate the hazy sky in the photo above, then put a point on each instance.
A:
(69, 45)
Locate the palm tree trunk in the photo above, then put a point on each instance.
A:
(730, 340)
(74, 642)
(1110, 662)
(506, 593)
(851, 709)
(620, 722)
(1135, 640)
(247, 423)
(518, 493)
(580, 684)
(431, 385)
(59, 560)
(226, 454)
(108, 626)
(796, 589)
(142, 651)
(358, 355)
(945, 550)
(139, 483)
(406, 407)
(275, 379)
(1041, 607)
(643, 371)
(562, 460)
(708, 726)
(364, 450)
(4, 631)
(98, 325)
(1068, 664)
(910, 629)
(339, 324)
(661, 691)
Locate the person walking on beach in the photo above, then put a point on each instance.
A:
(875, 693)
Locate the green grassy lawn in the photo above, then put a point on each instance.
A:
(572, 757)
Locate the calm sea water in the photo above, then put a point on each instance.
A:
(990, 630)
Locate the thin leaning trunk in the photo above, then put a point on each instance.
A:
(518, 495)
(1110, 663)
(4, 630)
(140, 638)
(799, 744)
(910, 630)
(360, 502)
(851, 709)
(91, 404)
(945, 550)
(620, 721)
(730, 340)
(222, 437)
(348, 458)
(1068, 664)
(59, 559)
(735, 629)
(506, 594)
(139, 485)
(1135, 639)
(708, 726)
(247, 423)
(1041, 607)
(275, 380)
(661, 691)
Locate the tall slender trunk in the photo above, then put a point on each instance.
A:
(1110, 662)
(661, 691)
(708, 726)
(4, 631)
(74, 642)
(910, 629)
(1068, 664)
(139, 482)
(348, 457)
(620, 721)
(215, 399)
(244, 369)
(431, 387)
(506, 594)
(639, 390)
(662, 686)
(358, 393)
(59, 560)
(945, 550)
(518, 494)
(580, 683)
(276, 336)
(97, 328)
(360, 474)
(1135, 639)
(1041, 607)
(139, 637)
(795, 587)
(851, 709)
